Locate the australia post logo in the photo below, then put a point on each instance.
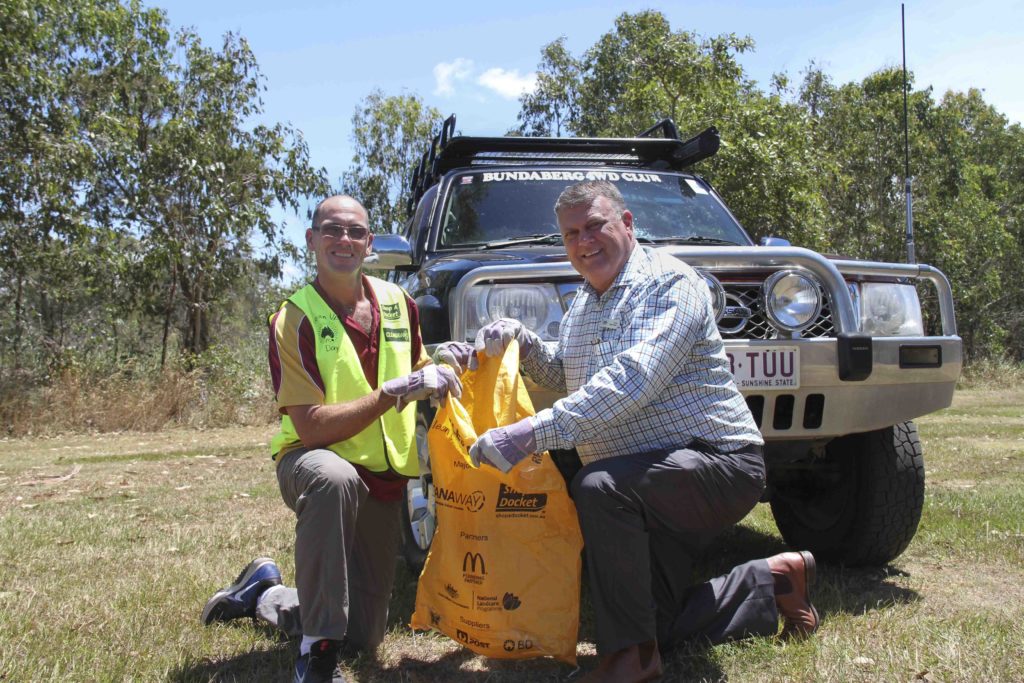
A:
(510, 500)
(473, 502)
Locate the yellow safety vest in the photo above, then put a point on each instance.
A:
(388, 443)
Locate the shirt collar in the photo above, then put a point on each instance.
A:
(636, 268)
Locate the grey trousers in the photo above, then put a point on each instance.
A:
(644, 519)
(345, 552)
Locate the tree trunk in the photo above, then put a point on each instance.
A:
(17, 321)
(168, 311)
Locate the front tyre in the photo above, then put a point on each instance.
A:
(860, 504)
(418, 519)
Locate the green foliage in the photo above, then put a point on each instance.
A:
(819, 164)
(136, 191)
(643, 71)
(387, 133)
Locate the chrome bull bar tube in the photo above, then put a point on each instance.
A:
(829, 273)
(914, 270)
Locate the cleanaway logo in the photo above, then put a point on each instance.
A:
(474, 502)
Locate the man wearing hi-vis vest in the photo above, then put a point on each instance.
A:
(347, 361)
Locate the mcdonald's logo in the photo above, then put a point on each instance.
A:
(470, 561)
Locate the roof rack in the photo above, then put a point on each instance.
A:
(447, 152)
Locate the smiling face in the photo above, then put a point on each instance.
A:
(598, 239)
(339, 254)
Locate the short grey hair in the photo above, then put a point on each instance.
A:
(586, 192)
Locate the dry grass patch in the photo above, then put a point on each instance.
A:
(112, 544)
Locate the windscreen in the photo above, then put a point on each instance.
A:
(485, 206)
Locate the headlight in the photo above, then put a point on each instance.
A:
(717, 293)
(888, 309)
(791, 300)
(538, 306)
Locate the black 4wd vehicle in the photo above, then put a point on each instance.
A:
(831, 355)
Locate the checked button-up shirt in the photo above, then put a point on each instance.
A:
(643, 366)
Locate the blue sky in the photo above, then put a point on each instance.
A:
(472, 58)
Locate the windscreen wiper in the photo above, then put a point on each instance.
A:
(545, 238)
(692, 239)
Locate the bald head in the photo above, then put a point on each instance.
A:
(338, 201)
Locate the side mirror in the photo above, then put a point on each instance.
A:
(773, 242)
(389, 252)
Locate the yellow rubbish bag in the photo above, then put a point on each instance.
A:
(503, 574)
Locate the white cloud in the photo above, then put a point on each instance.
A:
(446, 73)
(508, 84)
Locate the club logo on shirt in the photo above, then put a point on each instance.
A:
(326, 333)
(390, 312)
(396, 335)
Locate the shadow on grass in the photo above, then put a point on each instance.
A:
(839, 590)
(274, 664)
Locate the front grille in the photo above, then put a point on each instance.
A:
(748, 295)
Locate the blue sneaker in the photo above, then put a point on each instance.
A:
(239, 599)
(319, 664)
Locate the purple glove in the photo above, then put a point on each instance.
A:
(459, 355)
(435, 382)
(495, 337)
(505, 446)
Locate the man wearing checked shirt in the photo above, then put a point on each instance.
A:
(671, 454)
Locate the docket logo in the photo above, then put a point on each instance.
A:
(510, 500)
(473, 502)
(451, 590)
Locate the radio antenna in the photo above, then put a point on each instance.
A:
(911, 257)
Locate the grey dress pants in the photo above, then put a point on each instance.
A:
(644, 519)
(346, 544)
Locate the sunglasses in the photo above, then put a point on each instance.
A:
(336, 232)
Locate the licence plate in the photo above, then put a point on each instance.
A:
(766, 367)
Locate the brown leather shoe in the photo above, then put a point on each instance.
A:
(634, 664)
(794, 574)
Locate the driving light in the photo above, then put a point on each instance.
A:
(791, 300)
(889, 309)
(717, 293)
(537, 306)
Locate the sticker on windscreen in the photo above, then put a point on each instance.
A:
(568, 176)
(695, 186)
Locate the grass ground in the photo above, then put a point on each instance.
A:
(110, 545)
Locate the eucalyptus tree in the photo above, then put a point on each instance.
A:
(389, 133)
(642, 71)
